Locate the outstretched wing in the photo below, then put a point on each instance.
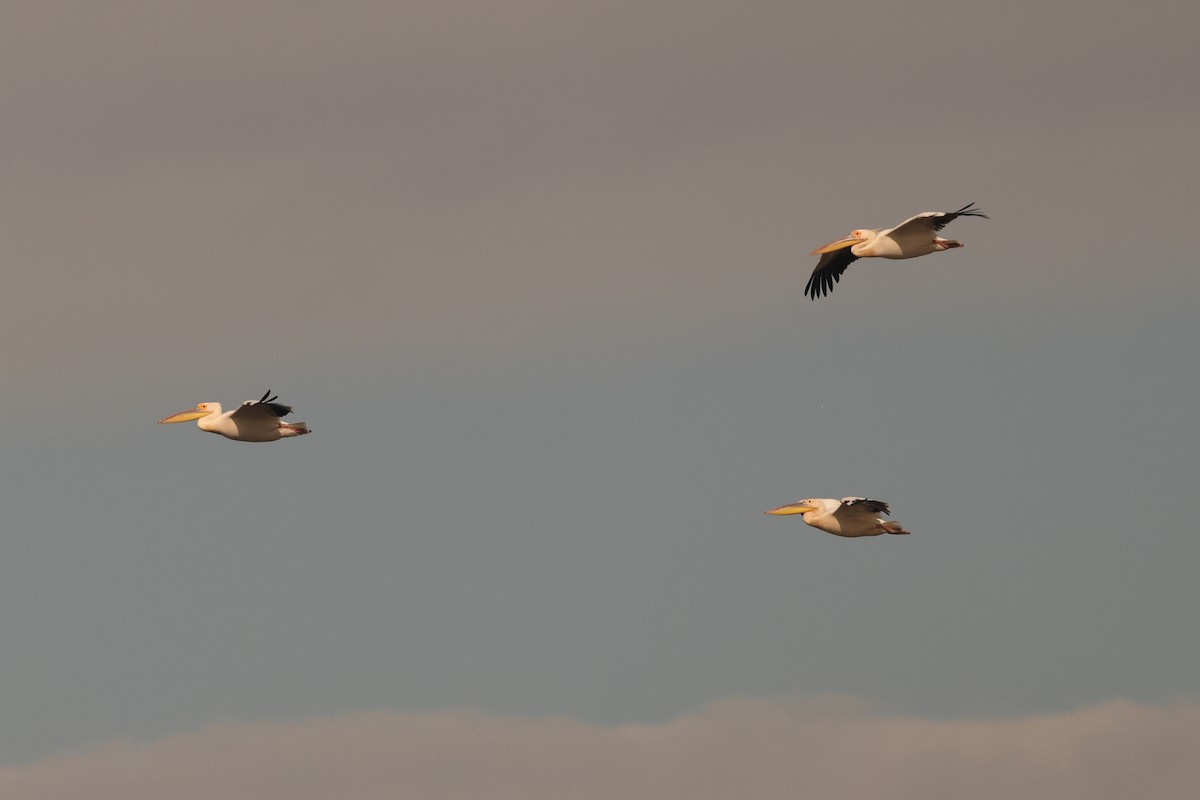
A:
(828, 272)
(934, 220)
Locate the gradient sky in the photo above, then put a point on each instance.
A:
(532, 273)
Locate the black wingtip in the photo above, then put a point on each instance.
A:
(875, 505)
(969, 210)
(821, 284)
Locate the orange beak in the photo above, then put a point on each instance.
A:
(845, 241)
(184, 416)
(793, 508)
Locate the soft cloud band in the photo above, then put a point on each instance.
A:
(736, 748)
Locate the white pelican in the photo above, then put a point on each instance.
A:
(916, 236)
(252, 421)
(850, 516)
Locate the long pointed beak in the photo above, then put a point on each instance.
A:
(794, 508)
(184, 416)
(845, 241)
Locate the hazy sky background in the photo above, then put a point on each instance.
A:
(532, 273)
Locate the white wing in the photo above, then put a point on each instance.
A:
(930, 222)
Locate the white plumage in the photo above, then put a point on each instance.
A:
(916, 236)
(850, 516)
(253, 421)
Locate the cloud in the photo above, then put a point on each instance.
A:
(831, 748)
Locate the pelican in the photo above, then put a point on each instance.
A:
(916, 236)
(253, 421)
(850, 516)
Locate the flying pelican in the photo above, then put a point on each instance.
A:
(916, 236)
(252, 421)
(850, 516)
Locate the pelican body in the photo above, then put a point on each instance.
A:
(916, 236)
(253, 421)
(850, 517)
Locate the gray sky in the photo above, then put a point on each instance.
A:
(532, 272)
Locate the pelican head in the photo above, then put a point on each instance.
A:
(202, 410)
(803, 507)
(856, 236)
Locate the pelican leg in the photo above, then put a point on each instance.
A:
(946, 244)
